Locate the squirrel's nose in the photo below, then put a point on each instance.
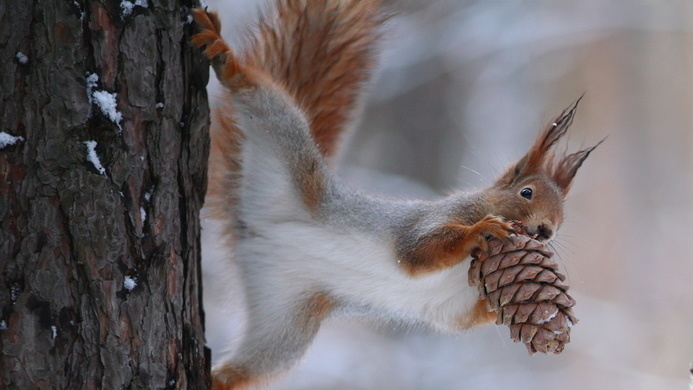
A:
(544, 233)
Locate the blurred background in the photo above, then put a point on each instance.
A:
(463, 88)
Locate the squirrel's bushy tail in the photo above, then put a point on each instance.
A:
(322, 52)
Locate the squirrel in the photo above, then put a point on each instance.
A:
(308, 245)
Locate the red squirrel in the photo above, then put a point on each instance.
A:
(308, 246)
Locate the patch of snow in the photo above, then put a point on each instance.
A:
(128, 6)
(108, 105)
(143, 215)
(189, 19)
(106, 101)
(203, 4)
(129, 283)
(93, 157)
(3, 325)
(159, 105)
(569, 322)
(148, 195)
(91, 80)
(54, 332)
(549, 318)
(9, 139)
(91, 83)
(14, 290)
(79, 7)
(22, 58)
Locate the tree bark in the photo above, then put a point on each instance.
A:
(99, 215)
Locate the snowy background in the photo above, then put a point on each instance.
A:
(462, 89)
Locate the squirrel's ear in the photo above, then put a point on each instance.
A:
(536, 158)
(538, 154)
(512, 173)
(564, 171)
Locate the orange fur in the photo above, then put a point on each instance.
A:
(322, 54)
(450, 244)
(316, 309)
(234, 76)
(478, 315)
(234, 378)
(227, 66)
(540, 160)
(536, 158)
(311, 183)
(228, 378)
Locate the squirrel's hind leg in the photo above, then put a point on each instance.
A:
(277, 335)
(227, 67)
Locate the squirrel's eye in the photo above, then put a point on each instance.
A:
(526, 193)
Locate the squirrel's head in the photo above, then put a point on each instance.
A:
(534, 189)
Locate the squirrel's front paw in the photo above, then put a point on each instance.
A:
(489, 227)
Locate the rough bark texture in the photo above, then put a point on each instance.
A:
(100, 270)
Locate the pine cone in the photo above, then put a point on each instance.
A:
(521, 283)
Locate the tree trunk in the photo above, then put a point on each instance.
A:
(99, 202)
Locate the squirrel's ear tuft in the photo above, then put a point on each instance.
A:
(538, 154)
(539, 157)
(564, 170)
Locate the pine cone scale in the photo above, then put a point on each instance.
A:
(520, 282)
